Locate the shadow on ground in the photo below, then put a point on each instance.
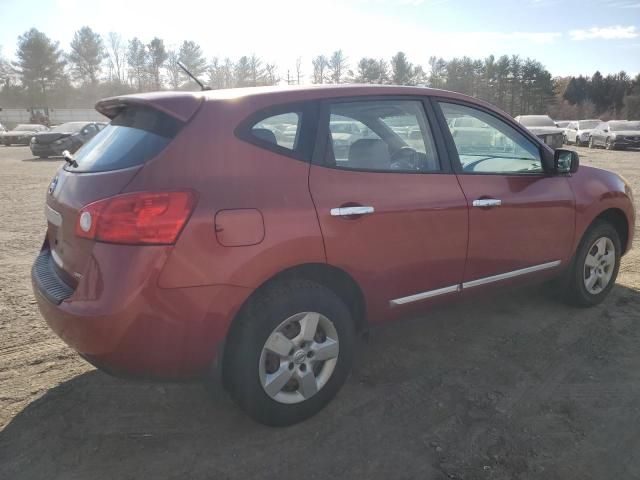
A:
(517, 386)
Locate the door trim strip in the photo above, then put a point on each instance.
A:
(473, 283)
(515, 273)
(423, 295)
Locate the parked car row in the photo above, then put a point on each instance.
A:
(614, 134)
(45, 142)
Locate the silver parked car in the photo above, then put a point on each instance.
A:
(544, 128)
(616, 134)
(578, 132)
(22, 134)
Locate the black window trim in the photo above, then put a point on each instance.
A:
(307, 112)
(546, 158)
(431, 120)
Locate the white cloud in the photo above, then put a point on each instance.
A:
(616, 32)
(623, 3)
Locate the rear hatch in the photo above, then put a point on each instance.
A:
(141, 128)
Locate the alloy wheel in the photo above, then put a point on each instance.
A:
(599, 265)
(299, 357)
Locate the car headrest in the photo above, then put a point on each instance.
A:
(265, 134)
(370, 153)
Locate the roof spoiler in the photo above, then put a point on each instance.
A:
(179, 105)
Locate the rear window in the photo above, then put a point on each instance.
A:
(134, 136)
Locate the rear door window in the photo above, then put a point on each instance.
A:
(381, 135)
(134, 136)
(282, 130)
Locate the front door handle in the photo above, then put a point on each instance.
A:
(487, 202)
(349, 211)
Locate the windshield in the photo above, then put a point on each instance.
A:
(620, 126)
(537, 121)
(588, 124)
(71, 127)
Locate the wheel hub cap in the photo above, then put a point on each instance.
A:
(299, 357)
(599, 265)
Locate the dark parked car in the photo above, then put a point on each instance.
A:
(187, 239)
(68, 136)
(616, 134)
(22, 134)
(544, 128)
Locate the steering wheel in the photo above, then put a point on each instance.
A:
(405, 158)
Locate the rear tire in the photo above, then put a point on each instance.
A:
(595, 266)
(272, 366)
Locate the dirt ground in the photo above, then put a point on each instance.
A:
(516, 386)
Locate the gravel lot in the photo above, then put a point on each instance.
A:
(509, 387)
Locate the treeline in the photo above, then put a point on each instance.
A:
(616, 96)
(95, 67)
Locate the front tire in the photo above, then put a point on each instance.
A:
(595, 266)
(607, 144)
(289, 352)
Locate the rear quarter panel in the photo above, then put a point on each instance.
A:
(595, 191)
(228, 173)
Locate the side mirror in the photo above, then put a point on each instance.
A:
(566, 161)
(606, 130)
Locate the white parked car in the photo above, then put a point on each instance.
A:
(578, 132)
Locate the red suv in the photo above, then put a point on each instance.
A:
(255, 232)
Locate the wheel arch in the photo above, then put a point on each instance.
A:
(331, 277)
(618, 219)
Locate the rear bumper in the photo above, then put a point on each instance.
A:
(120, 320)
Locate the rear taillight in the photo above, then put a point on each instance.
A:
(136, 218)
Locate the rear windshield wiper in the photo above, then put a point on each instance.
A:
(69, 159)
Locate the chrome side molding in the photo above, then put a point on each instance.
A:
(423, 295)
(473, 283)
(507, 275)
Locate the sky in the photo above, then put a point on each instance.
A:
(569, 37)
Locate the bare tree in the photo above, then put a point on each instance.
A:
(174, 72)
(137, 60)
(320, 64)
(116, 51)
(298, 69)
(271, 74)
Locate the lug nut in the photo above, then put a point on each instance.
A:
(303, 367)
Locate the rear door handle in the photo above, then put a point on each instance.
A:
(487, 202)
(348, 211)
